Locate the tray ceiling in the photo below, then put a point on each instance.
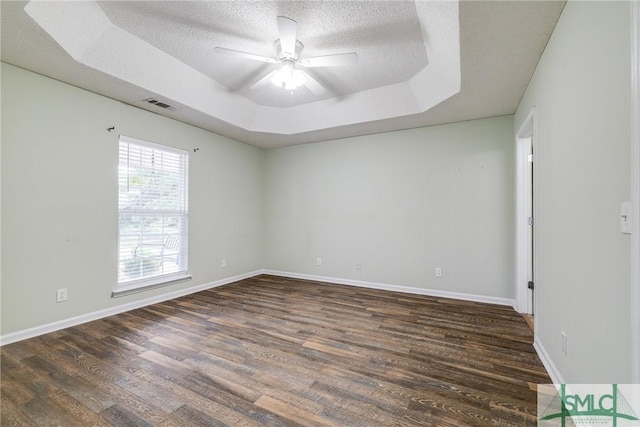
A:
(420, 63)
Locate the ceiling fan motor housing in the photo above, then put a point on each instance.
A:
(282, 56)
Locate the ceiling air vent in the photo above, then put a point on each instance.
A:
(159, 104)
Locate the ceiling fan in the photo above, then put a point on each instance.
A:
(290, 76)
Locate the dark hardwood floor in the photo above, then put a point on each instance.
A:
(277, 351)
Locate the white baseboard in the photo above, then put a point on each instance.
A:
(395, 288)
(84, 318)
(546, 360)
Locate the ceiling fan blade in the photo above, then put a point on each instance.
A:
(288, 29)
(244, 55)
(338, 60)
(263, 81)
(315, 87)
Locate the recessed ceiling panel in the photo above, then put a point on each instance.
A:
(386, 35)
(421, 63)
(92, 39)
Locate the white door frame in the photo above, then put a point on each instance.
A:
(526, 134)
(635, 191)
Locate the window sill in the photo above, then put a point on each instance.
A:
(148, 284)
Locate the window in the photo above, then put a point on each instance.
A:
(152, 214)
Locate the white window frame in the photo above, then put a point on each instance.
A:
(126, 286)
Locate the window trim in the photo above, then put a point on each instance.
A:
(134, 286)
(142, 285)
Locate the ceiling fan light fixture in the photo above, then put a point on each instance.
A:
(288, 77)
(288, 50)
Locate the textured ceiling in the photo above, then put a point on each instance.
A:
(386, 35)
(405, 56)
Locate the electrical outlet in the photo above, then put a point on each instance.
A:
(318, 261)
(223, 263)
(358, 266)
(438, 272)
(61, 295)
(563, 343)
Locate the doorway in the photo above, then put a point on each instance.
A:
(528, 142)
(525, 218)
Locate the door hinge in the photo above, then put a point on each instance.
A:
(530, 158)
(530, 285)
(530, 221)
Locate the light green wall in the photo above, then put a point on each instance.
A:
(401, 204)
(582, 173)
(59, 199)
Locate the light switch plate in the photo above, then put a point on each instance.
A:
(626, 219)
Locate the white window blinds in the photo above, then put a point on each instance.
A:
(152, 212)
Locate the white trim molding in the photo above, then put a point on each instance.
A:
(546, 360)
(146, 285)
(88, 317)
(394, 288)
(524, 139)
(635, 191)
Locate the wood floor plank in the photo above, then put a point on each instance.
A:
(233, 410)
(82, 415)
(82, 390)
(11, 410)
(187, 416)
(119, 416)
(281, 352)
(293, 413)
